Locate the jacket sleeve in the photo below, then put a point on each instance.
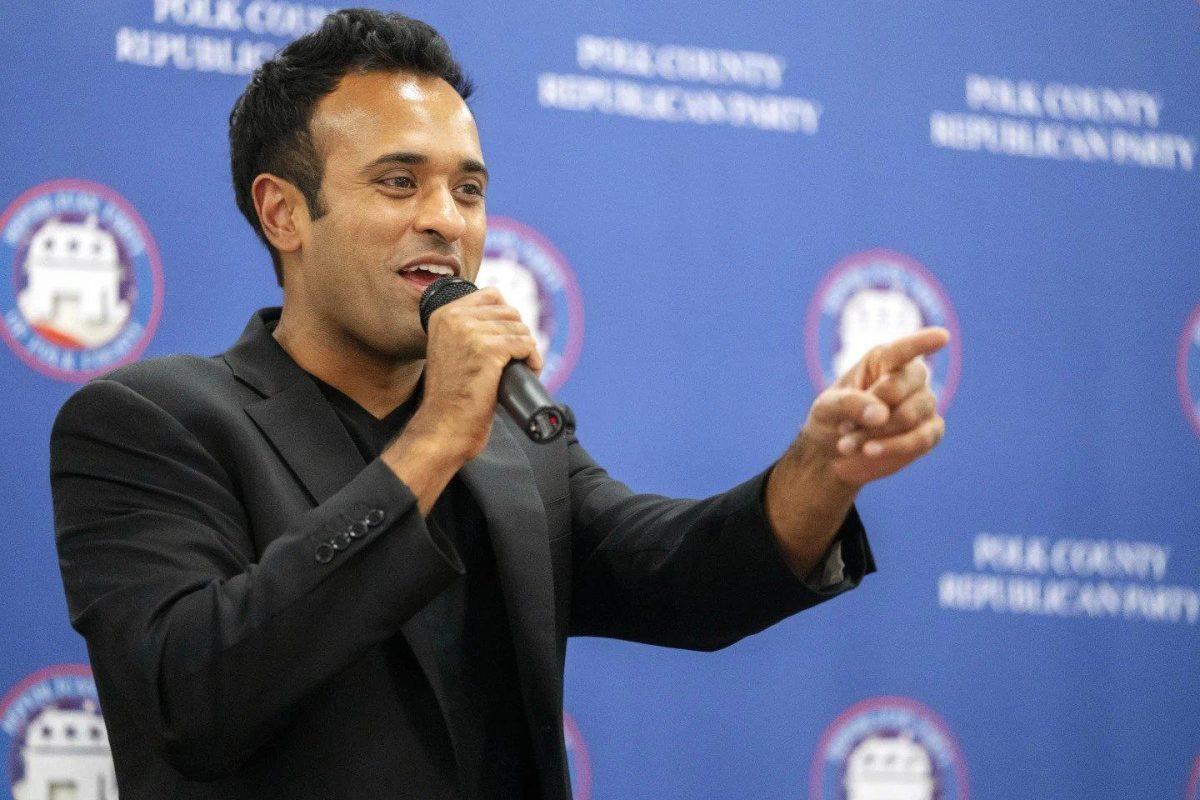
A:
(207, 645)
(697, 574)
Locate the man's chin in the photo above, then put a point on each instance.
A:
(401, 347)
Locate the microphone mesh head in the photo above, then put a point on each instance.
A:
(444, 290)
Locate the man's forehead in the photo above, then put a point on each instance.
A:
(368, 111)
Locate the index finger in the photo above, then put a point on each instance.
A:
(488, 295)
(896, 354)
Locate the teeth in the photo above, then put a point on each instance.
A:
(437, 269)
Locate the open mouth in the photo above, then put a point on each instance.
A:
(422, 275)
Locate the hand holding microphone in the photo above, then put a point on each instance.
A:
(479, 352)
(481, 332)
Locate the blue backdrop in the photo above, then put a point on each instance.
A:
(718, 205)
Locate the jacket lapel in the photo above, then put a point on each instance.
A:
(309, 437)
(293, 414)
(502, 481)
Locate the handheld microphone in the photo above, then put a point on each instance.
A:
(521, 394)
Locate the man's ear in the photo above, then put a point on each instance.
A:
(282, 211)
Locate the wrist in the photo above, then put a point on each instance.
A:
(425, 459)
(429, 433)
(805, 503)
(812, 467)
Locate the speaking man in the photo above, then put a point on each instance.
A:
(321, 564)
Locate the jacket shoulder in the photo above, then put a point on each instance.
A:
(184, 386)
(173, 374)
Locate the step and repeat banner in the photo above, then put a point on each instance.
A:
(707, 213)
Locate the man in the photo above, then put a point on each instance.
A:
(321, 565)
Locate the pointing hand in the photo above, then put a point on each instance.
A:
(881, 415)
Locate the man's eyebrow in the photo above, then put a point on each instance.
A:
(412, 159)
(471, 165)
(416, 159)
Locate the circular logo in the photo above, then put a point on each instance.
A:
(535, 279)
(578, 763)
(888, 748)
(1188, 369)
(58, 745)
(871, 298)
(86, 288)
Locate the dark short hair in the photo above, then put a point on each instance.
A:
(269, 123)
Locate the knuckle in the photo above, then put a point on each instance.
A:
(831, 400)
(932, 436)
(856, 403)
(915, 413)
(889, 391)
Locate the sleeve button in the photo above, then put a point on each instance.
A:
(324, 553)
(374, 517)
(357, 530)
(340, 541)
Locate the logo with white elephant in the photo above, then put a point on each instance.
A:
(873, 297)
(888, 748)
(86, 288)
(57, 741)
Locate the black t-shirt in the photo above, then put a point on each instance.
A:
(470, 628)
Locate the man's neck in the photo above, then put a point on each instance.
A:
(375, 382)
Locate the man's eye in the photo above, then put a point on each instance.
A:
(400, 182)
(473, 188)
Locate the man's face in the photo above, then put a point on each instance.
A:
(403, 184)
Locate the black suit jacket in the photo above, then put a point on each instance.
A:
(251, 593)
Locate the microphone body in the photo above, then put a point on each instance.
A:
(521, 393)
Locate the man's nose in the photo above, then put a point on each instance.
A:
(438, 213)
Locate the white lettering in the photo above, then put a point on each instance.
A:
(1064, 122)
(656, 102)
(1015, 137)
(211, 14)
(1068, 598)
(679, 62)
(150, 48)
